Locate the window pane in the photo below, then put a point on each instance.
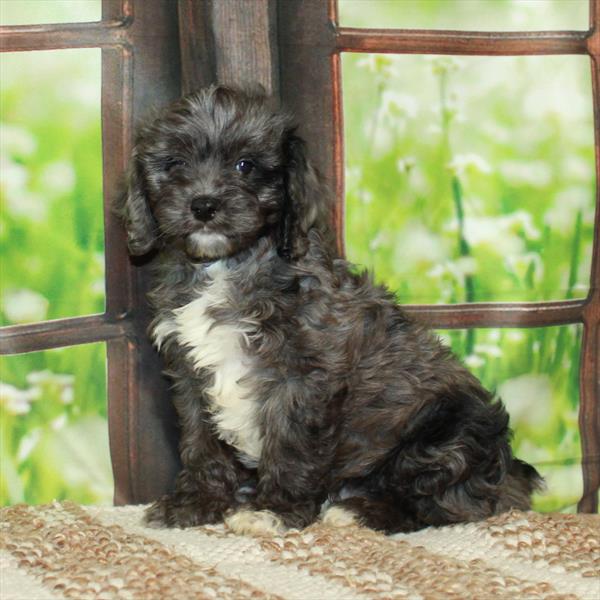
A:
(51, 217)
(470, 179)
(536, 373)
(479, 15)
(53, 426)
(31, 12)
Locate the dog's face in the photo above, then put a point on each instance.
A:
(215, 173)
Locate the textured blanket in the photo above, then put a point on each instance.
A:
(66, 551)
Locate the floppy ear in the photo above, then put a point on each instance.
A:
(135, 212)
(305, 203)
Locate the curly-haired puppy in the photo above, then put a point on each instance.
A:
(301, 387)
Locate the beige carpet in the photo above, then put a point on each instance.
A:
(66, 551)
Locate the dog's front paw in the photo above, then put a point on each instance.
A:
(255, 522)
(184, 511)
(337, 516)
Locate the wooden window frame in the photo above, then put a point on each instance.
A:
(138, 71)
(150, 54)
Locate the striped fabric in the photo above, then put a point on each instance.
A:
(62, 550)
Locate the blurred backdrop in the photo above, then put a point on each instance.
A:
(467, 179)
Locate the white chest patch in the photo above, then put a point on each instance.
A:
(219, 347)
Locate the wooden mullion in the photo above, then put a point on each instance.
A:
(100, 34)
(117, 108)
(497, 314)
(143, 75)
(17, 339)
(120, 280)
(415, 41)
(589, 408)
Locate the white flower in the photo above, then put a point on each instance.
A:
(397, 105)
(25, 306)
(379, 64)
(46, 377)
(515, 335)
(381, 239)
(559, 97)
(456, 269)
(444, 64)
(406, 164)
(16, 141)
(91, 462)
(16, 401)
(519, 264)
(567, 203)
(58, 423)
(28, 443)
(27, 204)
(496, 132)
(63, 384)
(19, 200)
(352, 180)
(67, 394)
(59, 177)
(522, 222)
(490, 232)
(501, 234)
(86, 94)
(463, 163)
(528, 399)
(452, 110)
(13, 176)
(493, 335)
(416, 245)
(98, 287)
(465, 265)
(490, 349)
(534, 173)
(579, 168)
(474, 361)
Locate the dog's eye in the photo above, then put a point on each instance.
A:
(244, 166)
(173, 163)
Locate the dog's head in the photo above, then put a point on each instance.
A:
(216, 172)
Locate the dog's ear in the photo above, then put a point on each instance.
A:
(305, 203)
(135, 212)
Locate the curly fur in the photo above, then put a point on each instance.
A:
(299, 383)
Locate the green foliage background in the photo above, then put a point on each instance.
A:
(467, 179)
(472, 179)
(53, 426)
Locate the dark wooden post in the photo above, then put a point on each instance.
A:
(232, 42)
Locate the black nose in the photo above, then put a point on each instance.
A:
(204, 208)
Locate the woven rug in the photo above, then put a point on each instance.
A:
(63, 550)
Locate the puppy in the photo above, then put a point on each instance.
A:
(301, 387)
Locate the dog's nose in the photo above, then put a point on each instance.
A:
(204, 208)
